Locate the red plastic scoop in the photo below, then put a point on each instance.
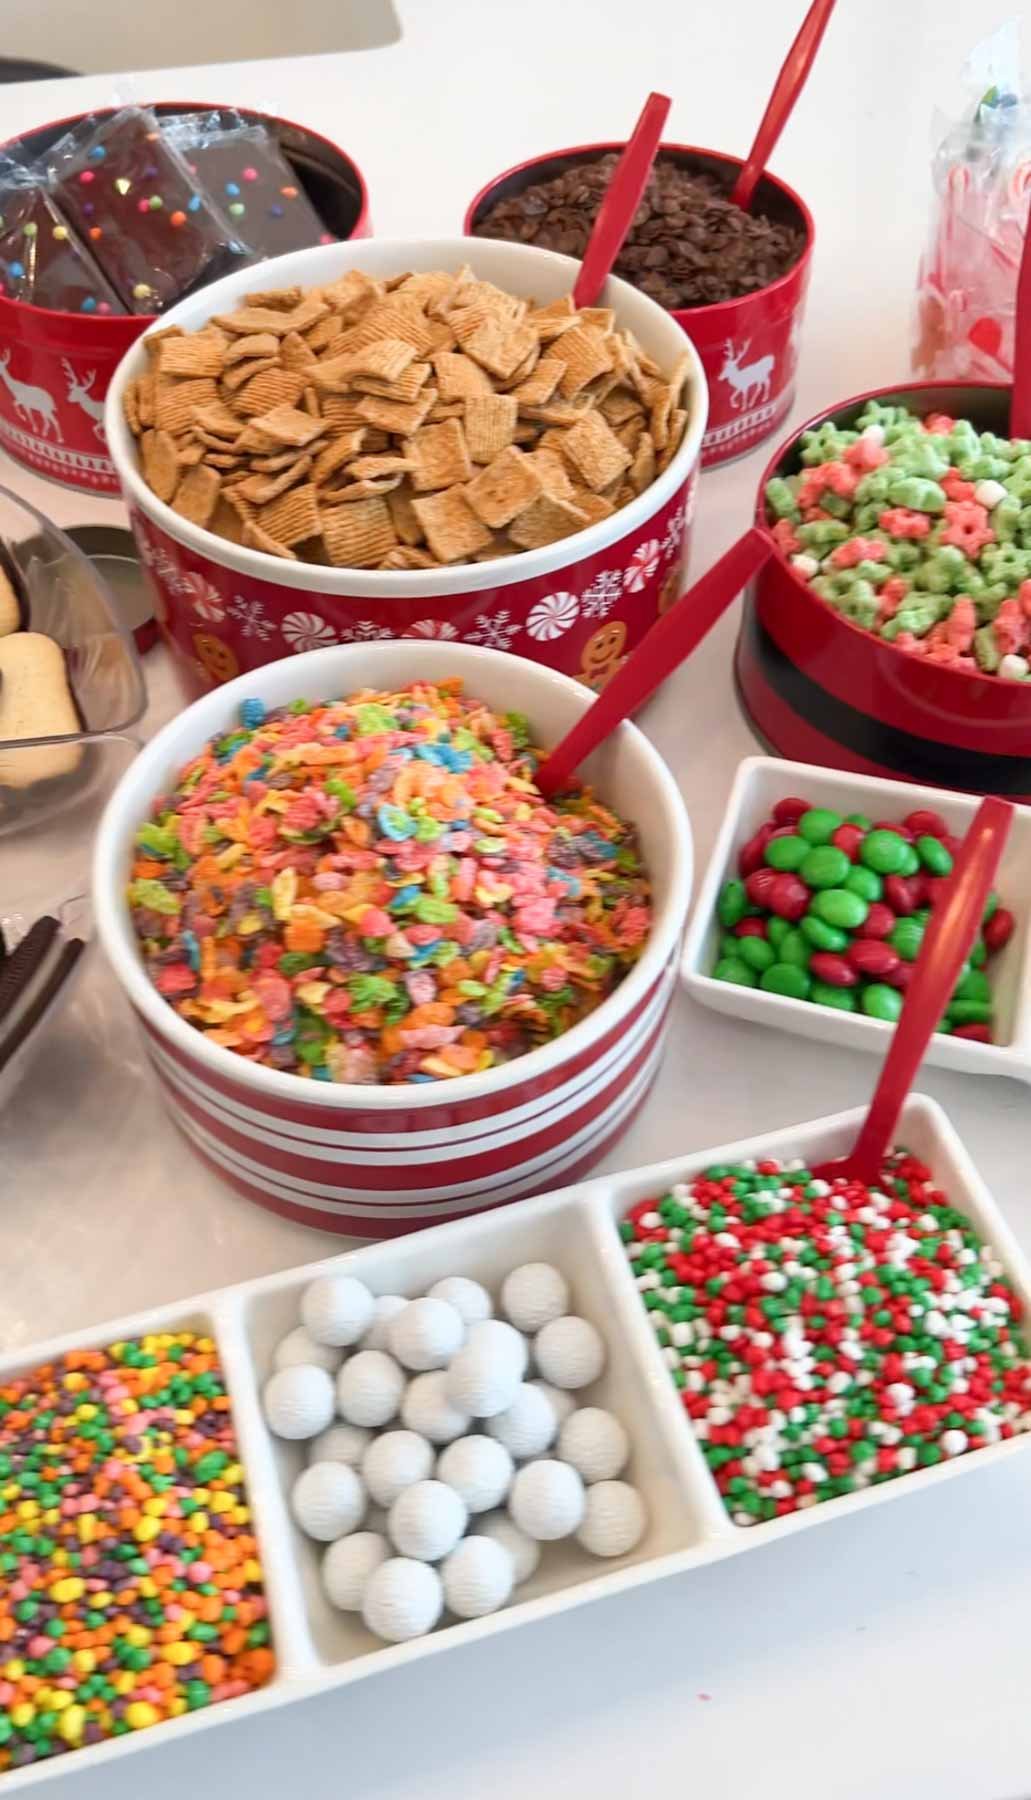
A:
(1020, 404)
(950, 932)
(657, 655)
(622, 199)
(789, 84)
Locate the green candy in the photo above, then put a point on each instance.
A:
(881, 1002)
(786, 979)
(884, 852)
(906, 937)
(861, 819)
(824, 866)
(973, 986)
(934, 856)
(756, 952)
(910, 862)
(732, 969)
(840, 907)
(864, 882)
(793, 949)
(967, 1012)
(776, 930)
(818, 825)
(786, 853)
(732, 903)
(823, 994)
(821, 935)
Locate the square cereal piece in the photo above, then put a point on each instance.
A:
(357, 490)
(458, 376)
(439, 456)
(425, 289)
(280, 299)
(261, 489)
(189, 455)
(154, 339)
(273, 387)
(506, 487)
(286, 425)
(340, 412)
(407, 556)
(197, 495)
(200, 354)
(237, 375)
(291, 517)
(358, 536)
(553, 471)
(619, 405)
(594, 507)
(500, 348)
(602, 318)
(338, 454)
(586, 356)
(398, 416)
(351, 293)
(246, 348)
(370, 468)
(539, 387)
(294, 352)
(406, 388)
(256, 539)
(660, 414)
(405, 521)
(595, 452)
(249, 321)
(160, 463)
(387, 358)
(176, 401)
(545, 522)
(642, 469)
(453, 531)
(490, 422)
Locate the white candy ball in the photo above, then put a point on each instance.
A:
(528, 1426)
(387, 1307)
(327, 1500)
(1014, 668)
(562, 1402)
(989, 493)
(394, 1462)
(426, 1334)
(594, 1442)
(478, 1577)
(484, 1377)
(299, 1348)
(570, 1352)
(614, 1519)
(428, 1409)
(369, 1388)
(337, 1309)
(298, 1402)
(547, 1500)
(341, 1443)
(347, 1566)
(522, 1549)
(478, 1469)
(533, 1295)
(427, 1520)
(471, 1302)
(403, 1599)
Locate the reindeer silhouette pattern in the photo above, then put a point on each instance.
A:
(80, 396)
(31, 403)
(750, 384)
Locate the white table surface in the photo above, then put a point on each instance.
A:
(885, 1655)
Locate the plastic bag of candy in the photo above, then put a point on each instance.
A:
(967, 280)
(42, 260)
(244, 172)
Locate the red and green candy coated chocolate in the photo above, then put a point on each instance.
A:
(826, 1336)
(832, 908)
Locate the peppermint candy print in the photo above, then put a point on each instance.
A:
(307, 631)
(430, 628)
(495, 631)
(205, 600)
(675, 528)
(642, 566)
(250, 616)
(552, 616)
(365, 632)
(600, 597)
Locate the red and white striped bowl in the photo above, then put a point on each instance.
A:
(376, 1161)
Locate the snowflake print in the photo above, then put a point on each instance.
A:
(552, 616)
(430, 628)
(167, 570)
(600, 597)
(495, 631)
(365, 632)
(250, 616)
(205, 601)
(307, 631)
(643, 564)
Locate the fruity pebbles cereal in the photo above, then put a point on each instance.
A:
(374, 890)
(130, 1587)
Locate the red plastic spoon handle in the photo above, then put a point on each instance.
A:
(1020, 404)
(622, 199)
(789, 84)
(947, 940)
(657, 655)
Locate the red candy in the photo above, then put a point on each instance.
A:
(789, 897)
(790, 810)
(902, 976)
(848, 838)
(901, 831)
(974, 1033)
(926, 824)
(759, 886)
(750, 856)
(833, 969)
(902, 892)
(879, 922)
(750, 928)
(873, 958)
(999, 929)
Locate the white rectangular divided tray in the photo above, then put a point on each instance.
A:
(318, 1648)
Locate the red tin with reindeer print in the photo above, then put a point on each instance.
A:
(749, 346)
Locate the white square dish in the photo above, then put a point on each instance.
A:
(763, 780)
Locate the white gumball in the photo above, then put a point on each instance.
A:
(528, 1426)
(298, 1402)
(348, 1565)
(523, 1550)
(479, 1469)
(570, 1352)
(299, 1348)
(427, 1520)
(484, 1377)
(394, 1461)
(533, 1295)
(426, 1334)
(471, 1302)
(337, 1309)
(387, 1307)
(614, 1519)
(403, 1599)
(561, 1400)
(369, 1388)
(340, 1443)
(595, 1443)
(546, 1500)
(327, 1500)
(428, 1409)
(478, 1577)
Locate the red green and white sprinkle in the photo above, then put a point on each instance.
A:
(827, 1336)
